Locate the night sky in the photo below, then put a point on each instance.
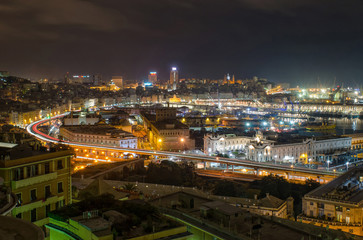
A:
(282, 40)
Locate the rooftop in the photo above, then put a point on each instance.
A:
(268, 202)
(347, 188)
(223, 207)
(100, 214)
(17, 229)
(98, 225)
(170, 124)
(98, 130)
(18, 154)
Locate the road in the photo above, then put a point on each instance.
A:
(258, 166)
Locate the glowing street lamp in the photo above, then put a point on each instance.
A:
(347, 163)
(328, 162)
(182, 140)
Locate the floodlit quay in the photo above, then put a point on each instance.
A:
(258, 168)
(295, 108)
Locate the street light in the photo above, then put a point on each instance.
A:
(347, 163)
(309, 163)
(328, 164)
(182, 140)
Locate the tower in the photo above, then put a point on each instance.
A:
(67, 79)
(153, 77)
(174, 78)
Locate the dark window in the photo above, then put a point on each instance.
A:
(19, 174)
(18, 195)
(19, 215)
(32, 170)
(60, 187)
(47, 209)
(60, 164)
(47, 191)
(60, 204)
(46, 168)
(33, 215)
(33, 195)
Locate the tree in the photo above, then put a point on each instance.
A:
(129, 187)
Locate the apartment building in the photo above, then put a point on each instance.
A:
(338, 204)
(41, 180)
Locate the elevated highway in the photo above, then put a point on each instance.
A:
(259, 167)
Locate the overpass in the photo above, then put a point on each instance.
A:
(258, 167)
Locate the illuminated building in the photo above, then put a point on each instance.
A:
(118, 81)
(357, 143)
(165, 132)
(175, 99)
(296, 150)
(227, 142)
(153, 77)
(81, 118)
(104, 135)
(41, 180)
(337, 204)
(174, 78)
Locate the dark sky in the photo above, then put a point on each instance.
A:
(283, 40)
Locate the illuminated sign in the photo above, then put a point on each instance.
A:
(173, 68)
(80, 76)
(152, 73)
(148, 84)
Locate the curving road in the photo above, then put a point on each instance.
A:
(33, 130)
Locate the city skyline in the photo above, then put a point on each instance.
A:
(280, 41)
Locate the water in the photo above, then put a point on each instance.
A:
(348, 126)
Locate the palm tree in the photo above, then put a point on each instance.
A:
(129, 187)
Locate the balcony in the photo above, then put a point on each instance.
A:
(33, 180)
(316, 221)
(36, 204)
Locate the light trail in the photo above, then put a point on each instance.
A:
(33, 130)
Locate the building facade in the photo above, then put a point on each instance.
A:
(101, 135)
(165, 132)
(297, 151)
(174, 78)
(41, 182)
(153, 77)
(336, 205)
(118, 81)
(227, 142)
(260, 149)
